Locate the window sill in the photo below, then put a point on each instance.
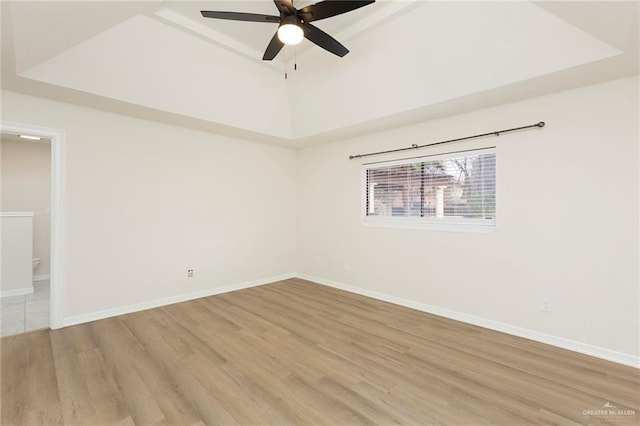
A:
(444, 227)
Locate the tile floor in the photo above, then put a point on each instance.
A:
(25, 313)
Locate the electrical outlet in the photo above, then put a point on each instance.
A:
(212, 269)
(345, 266)
(546, 306)
(189, 273)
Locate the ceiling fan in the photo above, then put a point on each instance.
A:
(294, 24)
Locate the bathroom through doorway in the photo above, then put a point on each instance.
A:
(25, 205)
(53, 279)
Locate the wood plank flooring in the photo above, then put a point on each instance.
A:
(295, 352)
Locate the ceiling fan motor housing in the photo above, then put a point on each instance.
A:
(290, 19)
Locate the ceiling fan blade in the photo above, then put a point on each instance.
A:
(274, 47)
(324, 40)
(329, 8)
(285, 6)
(239, 16)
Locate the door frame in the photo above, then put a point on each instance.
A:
(57, 274)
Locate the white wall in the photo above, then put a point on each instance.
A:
(146, 201)
(567, 220)
(26, 186)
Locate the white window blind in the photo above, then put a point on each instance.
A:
(456, 188)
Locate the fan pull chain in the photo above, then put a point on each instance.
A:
(286, 61)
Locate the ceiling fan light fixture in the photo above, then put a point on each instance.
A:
(295, 24)
(290, 34)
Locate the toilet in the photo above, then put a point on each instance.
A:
(36, 263)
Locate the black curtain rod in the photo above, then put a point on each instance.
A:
(415, 146)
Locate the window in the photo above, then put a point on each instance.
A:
(452, 189)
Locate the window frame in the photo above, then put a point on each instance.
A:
(449, 224)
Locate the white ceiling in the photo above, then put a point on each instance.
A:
(409, 61)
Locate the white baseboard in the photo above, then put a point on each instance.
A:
(108, 313)
(16, 292)
(561, 342)
(41, 277)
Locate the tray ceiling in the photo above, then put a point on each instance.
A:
(409, 61)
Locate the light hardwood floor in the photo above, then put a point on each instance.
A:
(294, 352)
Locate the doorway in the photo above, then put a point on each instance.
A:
(32, 187)
(25, 172)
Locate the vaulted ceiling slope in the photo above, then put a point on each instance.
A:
(409, 61)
